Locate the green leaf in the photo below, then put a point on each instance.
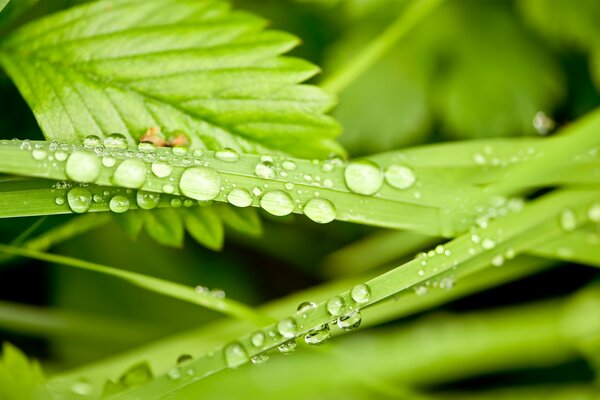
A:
(3, 4)
(188, 66)
(20, 379)
(165, 226)
(132, 222)
(243, 220)
(205, 226)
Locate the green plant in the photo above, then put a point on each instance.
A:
(184, 116)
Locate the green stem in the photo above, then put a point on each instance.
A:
(373, 52)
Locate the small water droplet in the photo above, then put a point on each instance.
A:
(92, 141)
(79, 200)
(287, 347)
(161, 170)
(235, 355)
(363, 177)
(61, 155)
(260, 359)
(82, 388)
(227, 155)
(498, 260)
(184, 358)
(361, 293)
(542, 123)
(83, 167)
(147, 200)
(327, 183)
(593, 212)
(399, 176)
(130, 173)
(320, 210)
(318, 336)
(258, 339)
(420, 290)
(168, 188)
(336, 306)
(306, 306)
(39, 154)
(264, 169)
(59, 201)
(179, 151)
(200, 183)
(288, 165)
(119, 204)
(115, 141)
(488, 244)
(239, 197)
(287, 328)
(446, 283)
(174, 373)
(277, 203)
(350, 321)
(146, 147)
(568, 220)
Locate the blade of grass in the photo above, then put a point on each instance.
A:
(225, 306)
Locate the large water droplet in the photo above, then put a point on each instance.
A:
(227, 155)
(119, 204)
(260, 359)
(318, 336)
(147, 200)
(363, 177)
(146, 147)
(92, 141)
(593, 212)
(336, 305)
(258, 339)
(350, 321)
(115, 141)
(82, 166)
(361, 293)
(287, 347)
(130, 174)
(264, 169)
(568, 220)
(289, 165)
(277, 203)
(200, 183)
(79, 199)
(161, 170)
(39, 154)
(320, 210)
(399, 176)
(235, 355)
(239, 197)
(287, 328)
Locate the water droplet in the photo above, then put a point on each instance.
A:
(475, 238)
(350, 321)
(61, 155)
(176, 202)
(542, 123)
(327, 183)
(25, 145)
(258, 339)
(479, 159)
(287, 328)
(287, 347)
(82, 388)
(320, 210)
(109, 162)
(115, 141)
(92, 141)
(318, 336)
(59, 201)
(277, 203)
(510, 253)
(361, 293)
(593, 212)
(79, 199)
(227, 155)
(146, 147)
(168, 188)
(568, 220)
(488, 244)
(235, 355)
(39, 154)
(447, 283)
(184, 358)
(82, 166)
(336, 306)
(305, 307)
(363, 177)
(161, 170)
(119, 204)
(239, 197)
(200, 183)
(260, 359)
(399, 176)
(264, 169)
(179, 151)
(217, 293)
(174, 373)
(130, 174)
(498, 260)
(147, 200)
(420, 290)
(288, 165)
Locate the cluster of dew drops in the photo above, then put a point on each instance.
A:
(198, 181)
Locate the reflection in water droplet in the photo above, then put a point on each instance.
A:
(277, 203)
(363, 177)
(350, 321)
(119, 204)
(361, 293)
(79, 199)
(320, 210)
(336, 306)
(399, 176)
(235, 355)
(239, 197)
(130, 174)
(83, 167)
(200, 183)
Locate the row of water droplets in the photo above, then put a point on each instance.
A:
(199, 181)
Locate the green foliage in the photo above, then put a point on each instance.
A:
(20, 378)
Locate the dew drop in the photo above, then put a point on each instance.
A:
(287, 347)
(363, 177)
(92, 141)
(200, 183)
(277, 203)
(593, 212)
(168, 188)
(399, 176)
(179, 151)
(336, 306)
(498, 260)
(115, 141)
(568, 220)
(227, 155)
(39, 154)
(176, 202)
(318, 336)
(305, 307)
(109, 162)
(82, 166)
(130, 174)
(235, 355)
(260, 359)
(239, 197)
(79, 199)
(264, 169)
(61, 155)
(146, 147)
(258, 339)
(184, 358)
(161, 170)
(288, 165)
(59, 201)
(350, 321)
(488, 244)
(147, 200)
(119, 204)
(287, 328)
(320, 210)
(174, 373)
(361, 293)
